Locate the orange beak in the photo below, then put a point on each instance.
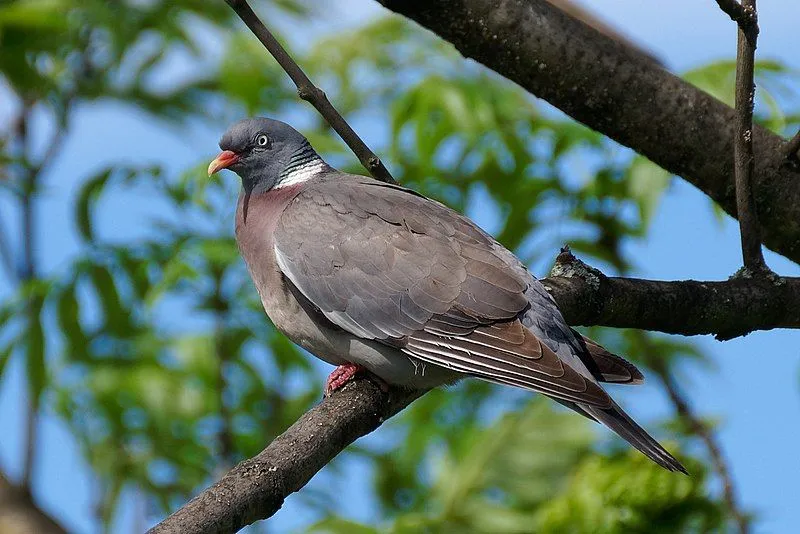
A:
(225, 159)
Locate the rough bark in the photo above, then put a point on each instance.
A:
(726, 309)
(617, 91)
(256, 488)
(620, 92)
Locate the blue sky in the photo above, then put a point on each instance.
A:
(755, 388)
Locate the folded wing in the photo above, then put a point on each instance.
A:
(384, 263)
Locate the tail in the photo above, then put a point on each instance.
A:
(621, 423)
(604, 365)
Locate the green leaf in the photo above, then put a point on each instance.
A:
(35, 365)
(5, 355)
(117, 318)
(334, 525)
(84, 204)
(630, 494)
(68, 314)
(647, 183)
(34, 14)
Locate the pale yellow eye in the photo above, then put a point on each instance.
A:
(262, 140)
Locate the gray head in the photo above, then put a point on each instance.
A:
(266, 153)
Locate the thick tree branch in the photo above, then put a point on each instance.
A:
(727, 309)
(792, 147)
(256, 488)
(575, 10)
(311, 93)
(616, 91)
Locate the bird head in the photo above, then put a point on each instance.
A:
(263, 152)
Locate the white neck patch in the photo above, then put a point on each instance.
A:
(302, 174)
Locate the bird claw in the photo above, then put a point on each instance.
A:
(341, 376)
(344, 373)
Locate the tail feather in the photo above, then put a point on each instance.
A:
(621, 423)
(606, 366)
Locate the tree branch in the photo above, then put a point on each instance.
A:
(792, 147)
(311, 93)
(575, 10)
(28, 273)
(727, 309)
(6, 256)
(737, 12)
(744, 160)
(706, 435)
(256, 488)
(614, 90)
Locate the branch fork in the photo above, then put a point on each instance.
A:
(256, 488)
(746, 17)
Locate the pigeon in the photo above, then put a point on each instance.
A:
(371, 276)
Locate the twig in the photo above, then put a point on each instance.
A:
(792, 147)
(745, 16)
(727, 309)
(6, 257)
(701, 430)
(311, 93)
(28, 268)
(256, 488)
(737, 12)
(27, 272)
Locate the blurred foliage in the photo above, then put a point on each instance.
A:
(154, 350)
(512, 477)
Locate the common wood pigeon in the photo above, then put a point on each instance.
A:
(368, 275)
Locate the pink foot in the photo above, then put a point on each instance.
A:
(341, 376)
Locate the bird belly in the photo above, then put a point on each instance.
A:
(337, 347)
(305, 327)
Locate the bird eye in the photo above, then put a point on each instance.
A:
(262, 140)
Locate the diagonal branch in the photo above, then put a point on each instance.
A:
(603, 84)
(706, 435)
(256, 488)
(311, 93)
(575, 10)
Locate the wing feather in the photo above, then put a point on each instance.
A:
(390, 265)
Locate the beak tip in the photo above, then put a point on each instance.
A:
(223, 161)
